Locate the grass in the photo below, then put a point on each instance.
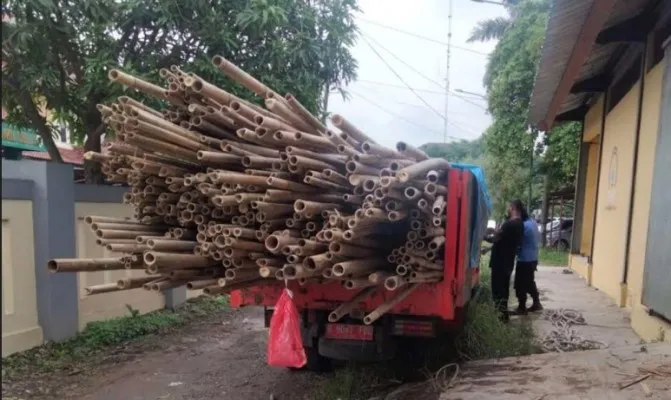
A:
(552, 257)
(546, 256)
(485, 336)
(100, 335)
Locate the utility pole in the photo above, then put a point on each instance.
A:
(447, 71)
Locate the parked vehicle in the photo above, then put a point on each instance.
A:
(428, 312)
(557, 236)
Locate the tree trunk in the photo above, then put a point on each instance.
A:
(325, 102)
(92, 171)
(39, 123)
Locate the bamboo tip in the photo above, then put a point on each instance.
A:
(272, 243)
(337, 119)
(402, 176)
(149, 258)
(114, 74)
(349, 284)
(391, 283)
(289, 271)
(367, 320)
(52, 265)
(338, 270)
(218, 60)
(88, 291)
(333, 317)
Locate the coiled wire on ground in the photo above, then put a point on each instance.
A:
(562, 337)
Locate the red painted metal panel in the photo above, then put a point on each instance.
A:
(437, 300)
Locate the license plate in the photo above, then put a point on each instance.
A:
(349, 332)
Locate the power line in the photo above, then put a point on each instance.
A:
(400, 78)
(399, 86)
(422, 37)
(467, 100)
(418, 72)
(406, 119)
(452, 113)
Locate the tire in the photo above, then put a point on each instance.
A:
(562, 245)
(315, 362)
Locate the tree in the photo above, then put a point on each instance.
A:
(463, 151)
(58, 52)
(510, 143)
(492, 29)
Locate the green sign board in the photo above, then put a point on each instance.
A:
(21, 138)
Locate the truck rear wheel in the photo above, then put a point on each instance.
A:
(315, 361)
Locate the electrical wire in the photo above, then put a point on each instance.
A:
(418, 72)
(399, 76)
(466, 99)
(391, 53)
(392, 113)
(418, 36)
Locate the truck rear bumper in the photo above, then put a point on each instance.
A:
(357, 350)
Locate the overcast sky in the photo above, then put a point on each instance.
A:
(427, 18)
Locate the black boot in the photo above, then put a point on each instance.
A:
(521, 309)
(536, 306)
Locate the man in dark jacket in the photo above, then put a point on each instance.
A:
(506, 241)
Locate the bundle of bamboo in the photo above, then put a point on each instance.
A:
(228, 194)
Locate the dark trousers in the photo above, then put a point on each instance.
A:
(501, 288)
(525, 281)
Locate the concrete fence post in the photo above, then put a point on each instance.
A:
(54, 235)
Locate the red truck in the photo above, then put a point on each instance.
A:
(432, 309)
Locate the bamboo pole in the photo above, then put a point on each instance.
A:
(84, 264)
(345, 308)
(389, 304)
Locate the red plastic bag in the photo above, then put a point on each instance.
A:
(285, 345)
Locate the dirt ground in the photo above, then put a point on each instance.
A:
(588, 375)
(223, 357)
(220, 358)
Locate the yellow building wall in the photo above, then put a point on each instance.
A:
(107, 305)
(646, 326)
(593, 121)
(580, 265)
(614, 195)
(20, 327)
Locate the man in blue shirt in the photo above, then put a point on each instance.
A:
(527, 264)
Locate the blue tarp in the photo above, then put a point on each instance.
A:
(482, 206)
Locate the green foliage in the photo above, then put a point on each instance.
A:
(489, 29)
(112, 332)
(492, 29)
(510, 143)
(463, 151)
(58, 52)
(552, 257)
